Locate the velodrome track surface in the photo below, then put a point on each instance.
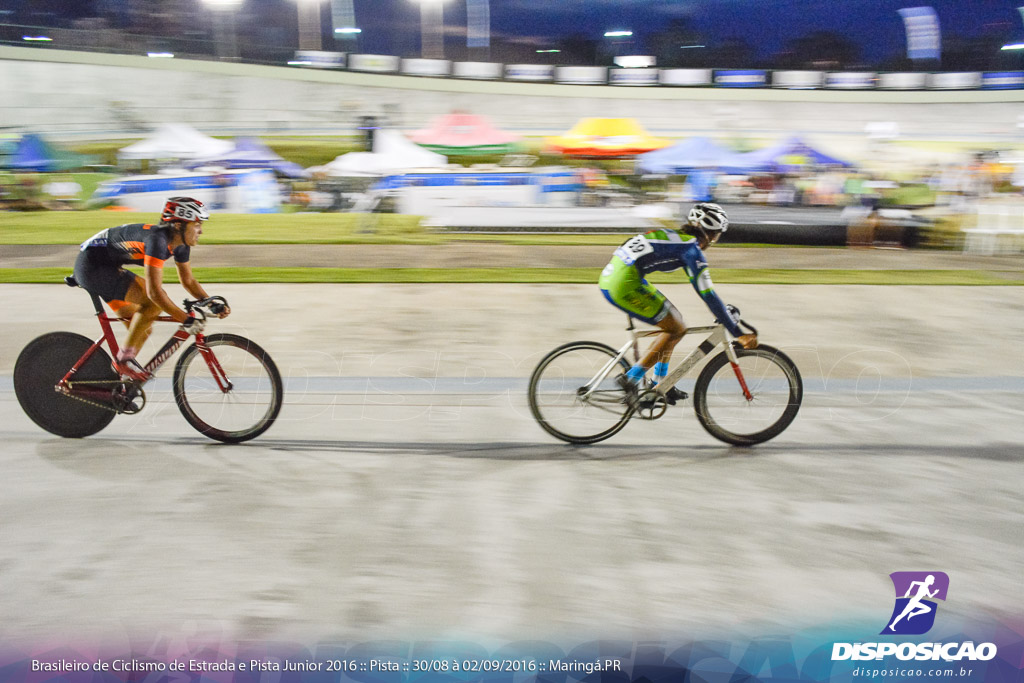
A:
(407, 492)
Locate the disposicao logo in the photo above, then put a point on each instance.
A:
(912, 615)
(916, 592)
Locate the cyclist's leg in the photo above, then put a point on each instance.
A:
(625, 289)
(143, 311)
(673, 328)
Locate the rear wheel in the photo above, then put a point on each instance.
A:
(42, 364)
(232, 394)
(566, 405)
(776, 391)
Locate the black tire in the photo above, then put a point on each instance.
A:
(550, 385)
(724, 412)
(42, 364)
(243, 412)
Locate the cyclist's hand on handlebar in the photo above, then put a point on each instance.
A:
(193, 325)
(220, 310)
(747, 341)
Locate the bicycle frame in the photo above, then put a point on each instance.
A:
(94, 389)
(719, 337)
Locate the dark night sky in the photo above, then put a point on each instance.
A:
(392, 26)
(766, 24)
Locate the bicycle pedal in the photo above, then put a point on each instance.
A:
(673, 395)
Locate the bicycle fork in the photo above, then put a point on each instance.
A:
(730, 351)
(219, 376)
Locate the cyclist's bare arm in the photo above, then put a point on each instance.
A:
(155, 291)
(192, 286)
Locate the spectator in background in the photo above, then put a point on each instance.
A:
(862, 222)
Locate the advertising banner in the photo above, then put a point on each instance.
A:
(319, 59)
(851, 80)
(581, 75)
(903, 81)
(426, 67)
(480, 70)
(960, 651)
(378, 63)
(529, 72)
(685, 77)
(954, 81)
(1003, 80)
(633, 76)
(748, 78)
(796, 80)
(923, 35)
(478, 23)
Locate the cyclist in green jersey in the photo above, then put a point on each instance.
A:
(624, 285)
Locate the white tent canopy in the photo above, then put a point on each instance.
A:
(176, 141)
(392, 152)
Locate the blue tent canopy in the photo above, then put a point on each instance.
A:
(791, 154)
(684, 157)
(33, 153)
(251, 153)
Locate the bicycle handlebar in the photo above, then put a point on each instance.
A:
(735, 313)
(213, 304)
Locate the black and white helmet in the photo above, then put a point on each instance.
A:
(709, 217)
(184, 209)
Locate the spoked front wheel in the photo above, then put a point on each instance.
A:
(775, 388)
(228, 388)
(574, 395)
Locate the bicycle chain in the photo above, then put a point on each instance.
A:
(106, 406)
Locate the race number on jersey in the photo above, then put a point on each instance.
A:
(633, 249)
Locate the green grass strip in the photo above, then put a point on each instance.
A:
(74, 227)
(553, 275)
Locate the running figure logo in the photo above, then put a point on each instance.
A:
(914, 612)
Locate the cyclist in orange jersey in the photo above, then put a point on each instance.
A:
(100, 271)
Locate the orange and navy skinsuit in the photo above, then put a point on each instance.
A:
(100, 265)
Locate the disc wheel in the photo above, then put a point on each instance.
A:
(234, 394)
(42, 364)
(776, 391)
(565, 404)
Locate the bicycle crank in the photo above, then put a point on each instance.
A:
(651, 405)
(128, 398)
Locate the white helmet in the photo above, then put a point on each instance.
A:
(709, 217)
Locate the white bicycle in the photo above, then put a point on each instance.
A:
(742, 396)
